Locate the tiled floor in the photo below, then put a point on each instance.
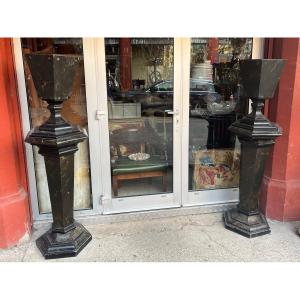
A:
(185, 238)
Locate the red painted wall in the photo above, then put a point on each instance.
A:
(280, 195)
(14, 205)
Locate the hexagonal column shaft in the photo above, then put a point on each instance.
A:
(254, 154)
(60, 174)
(246, 219)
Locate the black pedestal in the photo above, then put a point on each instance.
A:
(248, 226)
(53, 76)
(256, 134)
(58, 245)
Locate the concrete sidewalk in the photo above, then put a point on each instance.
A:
(190, 238)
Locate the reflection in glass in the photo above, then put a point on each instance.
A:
(215, 103)
(140, 98)
(74, 112)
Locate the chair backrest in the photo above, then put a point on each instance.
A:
(131, 140)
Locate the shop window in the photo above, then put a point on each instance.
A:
(215, 103)
(140, 94)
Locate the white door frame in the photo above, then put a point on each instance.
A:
(147, 202)
(92, 96)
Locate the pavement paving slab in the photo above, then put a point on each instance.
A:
(190, 238)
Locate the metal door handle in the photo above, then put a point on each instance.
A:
(103, 199)
(172, 112)
(99, 114)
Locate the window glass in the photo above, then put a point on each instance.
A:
(139, 75)
(215, 103)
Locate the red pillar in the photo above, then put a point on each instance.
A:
(280, 194)
(14, 208)
(125, 63)
(213, 55)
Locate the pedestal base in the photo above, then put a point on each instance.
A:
(58, 245)
(248, 226)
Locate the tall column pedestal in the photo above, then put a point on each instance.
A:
(256, 135)
(57, 140)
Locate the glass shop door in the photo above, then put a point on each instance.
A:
(139, 119)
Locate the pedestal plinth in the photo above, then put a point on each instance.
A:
(58, 245)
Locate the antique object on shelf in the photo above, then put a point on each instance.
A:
(138, 84)
(201, 68)
(139, 156)
(123, 110)
(226, 80)
(259, 78)
(237, 48)
(216, 168)
(221, 108)
(53, 76)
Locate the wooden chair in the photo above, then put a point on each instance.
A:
(138, 140)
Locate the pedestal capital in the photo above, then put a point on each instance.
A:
(255, 126)
(61, 143)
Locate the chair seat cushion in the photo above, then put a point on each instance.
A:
(126, 166)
